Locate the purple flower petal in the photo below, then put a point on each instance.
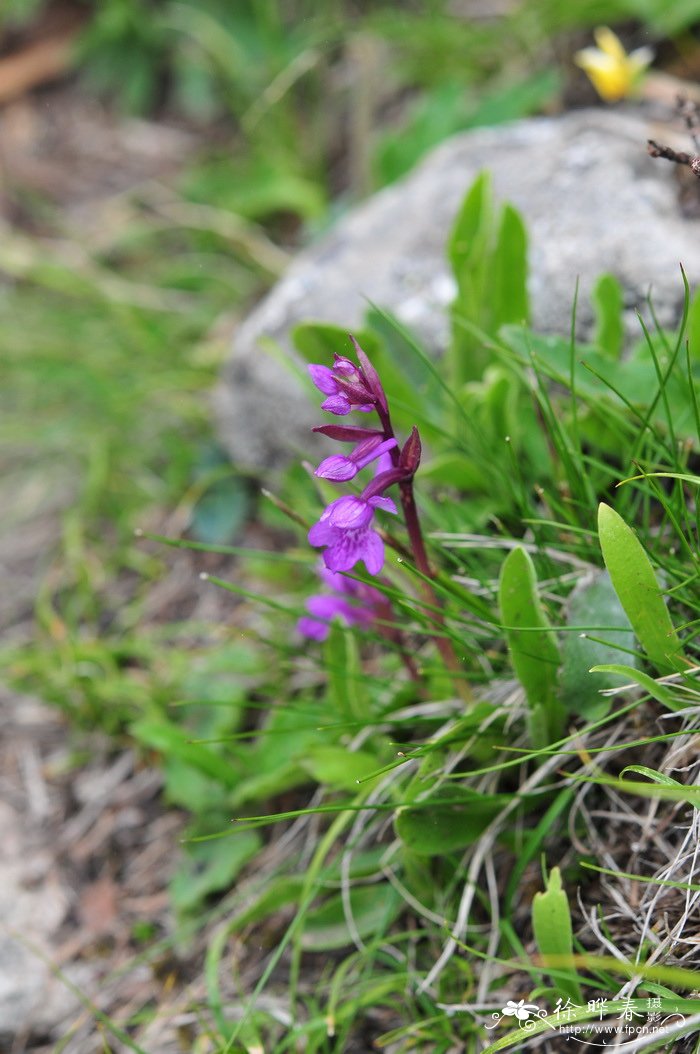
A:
(347, 433)
(323, 378)
(338, 404)
(345, 367)
(353, 546)
(312, 628)
(346, 550)
(382, 502)
(369, 453)
(322, 533)
(326, 607)
(384, 464)
(350, 512)
(338, 468)
(373, 553)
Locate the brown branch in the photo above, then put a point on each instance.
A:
(680, 157)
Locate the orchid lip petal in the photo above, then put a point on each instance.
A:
(373, 553)
(322, 533)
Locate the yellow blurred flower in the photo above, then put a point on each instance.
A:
(613, 72)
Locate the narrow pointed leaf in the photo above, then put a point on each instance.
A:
(657, 691)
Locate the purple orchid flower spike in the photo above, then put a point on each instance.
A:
(345, 528)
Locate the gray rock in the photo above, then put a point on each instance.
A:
(592, 199)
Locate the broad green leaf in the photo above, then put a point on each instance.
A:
(191, 789)
(551, 923)
(455, 470)
(219, 515)
(338, 768)
(657, 691)
(638, 590)
(594, 603)
(508, 291)
(173, 741)
(608, 304)
(437, 114)
(272, 763)
(530, 639)
(208, 867)
(373, 909)
(434, 829)
(277, 893)
(410, 377)
(320, 341)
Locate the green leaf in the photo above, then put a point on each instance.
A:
(173, 741)
(436, 114)
(551, 923)
(219, 515)
(455, 470)
(272, 764)
(433, 829)
(594, 603)
(509, 299)
(608, 304)
(470, 235)
(277, 893)
(656, 690)
(692, 332)
(211, 866)
(530, 639)
(320, 341)
(638, 590)
(653, 775)
(346, 686)
(338, 768)
(373, 909)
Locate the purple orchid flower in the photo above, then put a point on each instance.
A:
(341, 468)
(349, 387)
(354, 602)
(345, 528)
